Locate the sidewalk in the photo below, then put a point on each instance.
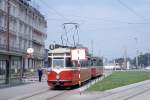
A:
(24, 80)
(23, 90)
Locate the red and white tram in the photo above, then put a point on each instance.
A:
(64, 72)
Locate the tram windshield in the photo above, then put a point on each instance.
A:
(58, 62)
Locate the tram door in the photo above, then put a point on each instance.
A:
(2, 71)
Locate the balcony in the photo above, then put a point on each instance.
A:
(3, 47)
(38, 42)
(18, 50)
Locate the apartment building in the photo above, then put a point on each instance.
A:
(27, 30)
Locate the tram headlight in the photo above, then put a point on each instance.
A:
(48, 73)
(57, 77)
(49, 69)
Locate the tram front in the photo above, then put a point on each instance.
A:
(62, 71)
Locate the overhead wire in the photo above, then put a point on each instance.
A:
(96, 19)
(132, 10)
(92, 19)
(53, 9)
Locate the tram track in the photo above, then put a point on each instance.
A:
(79, 90)
(61, 93)
(137, 94)
(35, 94)
(126, 97)
(50, 98)
(52, 93)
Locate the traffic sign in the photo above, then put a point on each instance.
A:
(78, 54)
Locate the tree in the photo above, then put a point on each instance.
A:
(143, 60)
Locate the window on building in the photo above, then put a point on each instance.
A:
(0, 2)
(0, 21)
(0, 40)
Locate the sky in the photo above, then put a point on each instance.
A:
(114, 26)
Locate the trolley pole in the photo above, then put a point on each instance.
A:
(8, 64)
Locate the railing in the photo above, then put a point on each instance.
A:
(15, 49)
(12, 49)
(38, 42)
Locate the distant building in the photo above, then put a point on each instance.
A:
(128, 65)
(112, 66)
(27, 29)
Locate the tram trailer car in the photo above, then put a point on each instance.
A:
(64, 72)
(96, 67)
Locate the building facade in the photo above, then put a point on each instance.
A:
(46, 63)
(27, 29)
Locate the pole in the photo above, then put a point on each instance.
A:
(136, 40)
(79, 69)
(125, 58)
(8, 23)
(8, 64)
(92, 47)
(148, 57)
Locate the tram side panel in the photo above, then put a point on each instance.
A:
(85, 74)
(93, 72)
(69, 77)
(99, 71)
(97, 67)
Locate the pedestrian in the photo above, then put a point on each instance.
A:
(40, 73)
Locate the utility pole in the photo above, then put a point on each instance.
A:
(148, 57)
(8, 61)
(136, 40)
(92, 47)
(125, 58)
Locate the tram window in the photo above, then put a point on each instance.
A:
(75, 64)
(49, 62)
(81, 64)
(57, 62)
(69, 62)
(89, 62)
(84, 63)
